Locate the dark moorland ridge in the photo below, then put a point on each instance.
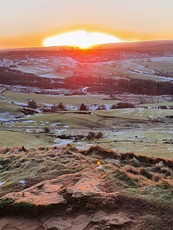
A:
(106, 53)
(128, 192)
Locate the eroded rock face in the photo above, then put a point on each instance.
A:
(111, 219)
(20, 224)
(78, 223)
(57, 224)
(98, 220)
(44, 193)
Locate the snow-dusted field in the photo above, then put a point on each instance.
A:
(52, 67)
(63, 66)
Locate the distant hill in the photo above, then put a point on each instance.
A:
(141, 44)
(149, 45)
(135, 67)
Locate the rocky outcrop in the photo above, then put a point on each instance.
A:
(99, 220)
(85, 190)
(123, 105)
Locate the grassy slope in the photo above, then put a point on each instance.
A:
(160, 66)
(138, 113)
(9, 138)
(8, 107)
(42, 98)
(120, 128)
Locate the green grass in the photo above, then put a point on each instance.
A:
(10, 139)
(71, 119)
(158, 193)
(9, 207)
(158, 104)
(125, 124)
(4, 204)
(134, 114)
(161, 150)
(8, 107)
(42, 98)
(146, 77)
(160, 66)
(123, 178)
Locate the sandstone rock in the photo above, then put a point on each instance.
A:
(57, 223)
(107, 219)
(80, 222)
(44, 193)
(19, 224)
(60, 223)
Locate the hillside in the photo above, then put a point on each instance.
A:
(67, 188)
(116, 100)
(140, 68)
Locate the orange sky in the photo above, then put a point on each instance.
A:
(25, 23)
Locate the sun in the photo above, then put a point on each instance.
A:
(81, 39)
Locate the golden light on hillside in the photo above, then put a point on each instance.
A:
(81, 39)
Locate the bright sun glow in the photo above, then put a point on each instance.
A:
(81, 39)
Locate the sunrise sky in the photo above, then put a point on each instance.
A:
(26, 23)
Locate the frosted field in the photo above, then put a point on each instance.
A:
(61, 67)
